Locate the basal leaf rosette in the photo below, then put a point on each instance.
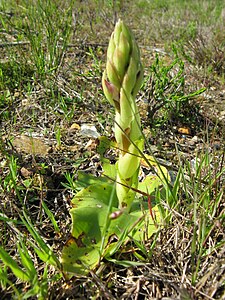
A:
(121, 82)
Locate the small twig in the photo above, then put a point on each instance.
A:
(102, 287)
(86, 45)
(12, 44)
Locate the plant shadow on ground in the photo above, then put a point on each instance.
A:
(43, 148)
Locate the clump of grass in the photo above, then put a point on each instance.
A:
(165, 88)
(14, 75)
(48, 32)
(207, 53)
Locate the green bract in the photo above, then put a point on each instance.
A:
(121, 82)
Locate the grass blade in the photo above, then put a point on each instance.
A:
(8, 261)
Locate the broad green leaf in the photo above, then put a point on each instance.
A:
(101, 192)
(84, 179)
(82, 250)
(90, 216)
(162, 172)
(150, 184)
(145, 228)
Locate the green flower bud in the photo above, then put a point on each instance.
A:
(123, 57)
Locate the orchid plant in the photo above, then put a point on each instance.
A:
(109, 205)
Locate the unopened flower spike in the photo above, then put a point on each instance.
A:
(121, 82)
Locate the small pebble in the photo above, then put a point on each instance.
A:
(89, 130)
(195, 139)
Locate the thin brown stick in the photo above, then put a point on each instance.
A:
(13, 44)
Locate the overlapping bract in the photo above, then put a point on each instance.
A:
(121, 82)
